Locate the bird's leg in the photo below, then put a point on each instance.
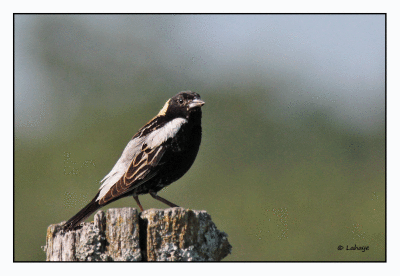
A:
(138, 202)
(163, 200)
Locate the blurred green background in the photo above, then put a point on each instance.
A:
(292, 161)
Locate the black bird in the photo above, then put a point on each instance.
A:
(160, 153)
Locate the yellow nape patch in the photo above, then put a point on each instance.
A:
(164, 109)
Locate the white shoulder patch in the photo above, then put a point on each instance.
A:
(162, 134)
(133, 148)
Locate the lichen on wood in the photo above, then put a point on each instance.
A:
(174, 234)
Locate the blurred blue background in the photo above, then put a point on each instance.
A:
(292, 162)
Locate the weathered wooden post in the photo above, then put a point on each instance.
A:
(174, 234)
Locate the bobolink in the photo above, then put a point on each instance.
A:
(160, 153)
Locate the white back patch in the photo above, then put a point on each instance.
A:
(131, 151)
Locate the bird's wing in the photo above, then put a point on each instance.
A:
(142, 168)
(140, 159)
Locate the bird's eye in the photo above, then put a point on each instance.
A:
(180, 100)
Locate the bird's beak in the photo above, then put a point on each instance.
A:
(196, 103)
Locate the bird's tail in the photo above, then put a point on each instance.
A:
(89, 209)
